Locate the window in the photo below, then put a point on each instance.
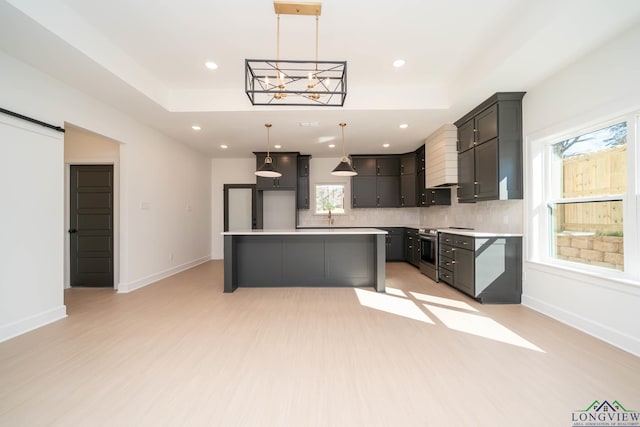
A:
(329, 197)
(582, 204)
(589, 182)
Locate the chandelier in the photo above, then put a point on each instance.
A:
(296, 82)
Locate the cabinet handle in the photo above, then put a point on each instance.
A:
(354, 200)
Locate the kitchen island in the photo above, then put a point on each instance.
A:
(332, 257)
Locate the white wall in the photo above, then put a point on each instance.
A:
(174, 181)
(84, 147)
(226, 171)
(601, 85)
(31, 227)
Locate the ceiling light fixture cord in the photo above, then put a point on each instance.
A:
(342, 125)
(268, 126)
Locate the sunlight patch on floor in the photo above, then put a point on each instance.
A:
(391, 304)
(480, 326)
(442, 301)
(395, 291)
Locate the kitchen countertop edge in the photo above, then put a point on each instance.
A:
(302, 232)
(473, 233)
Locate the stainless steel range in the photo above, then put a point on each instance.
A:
(429, 252)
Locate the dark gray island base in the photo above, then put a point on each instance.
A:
(309, 258)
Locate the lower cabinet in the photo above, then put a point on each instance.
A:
(395, 246)
(488, 269)
(412, 247)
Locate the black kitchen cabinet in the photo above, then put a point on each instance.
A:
(365, 166)
(364, 193)
(408, 182)
(408, 192)
(395, 246)
(302, 191)
(487, 268)
(377, 184)
(490, 150)
(437, 197)
(466, 177)
(486, 166)
(286, 164)
(388, 166)
(388, 189)
(420, 161)
(412, 247)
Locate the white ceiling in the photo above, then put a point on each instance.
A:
(147, 59)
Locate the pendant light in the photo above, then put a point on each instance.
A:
(344, 168)
(267, 170)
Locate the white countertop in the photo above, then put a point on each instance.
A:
(473, 233)
(304, 232)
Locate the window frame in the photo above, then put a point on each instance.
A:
(315, 199)
(543, 193)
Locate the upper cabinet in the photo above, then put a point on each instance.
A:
(408, 181)
(286, 164)
(377, 184)
(490, 150)
(302, 201)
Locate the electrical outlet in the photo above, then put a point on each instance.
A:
(171, 256)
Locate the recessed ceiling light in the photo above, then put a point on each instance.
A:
(404, 126)
(386, 145)
(224, 146)
(398, 63)
(211, 65)
(332, 145)
(277, 146)
(196, 127)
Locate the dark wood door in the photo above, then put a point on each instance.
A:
(388, 189)
(91, 225)
(388, 166)
(287, 165)
(408, 190)
(466, 176)
(464, 270)
(487, 124)
(363, 192)
(466, 135)
(486, 166)
(365, 166)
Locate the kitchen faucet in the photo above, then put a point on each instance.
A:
(330, 218)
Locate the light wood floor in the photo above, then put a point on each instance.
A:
(180, 352)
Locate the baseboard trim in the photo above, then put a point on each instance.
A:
(30, 323)
(124, 288)
(602, 332)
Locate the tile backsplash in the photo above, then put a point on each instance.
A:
(382, 217)
(499, 216)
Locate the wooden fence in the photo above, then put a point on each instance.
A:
(600, 173)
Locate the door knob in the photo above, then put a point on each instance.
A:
(72, 231)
